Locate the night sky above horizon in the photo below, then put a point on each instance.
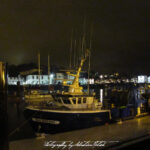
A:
(121, 32)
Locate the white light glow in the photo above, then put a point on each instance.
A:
(142, 79)
(51, 75)
(101, 95)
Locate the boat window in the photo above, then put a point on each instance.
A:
(74, 100)
(59, 100)
(66, 101)
(84, 100)
(79, 100)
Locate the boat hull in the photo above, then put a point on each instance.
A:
(60, 121)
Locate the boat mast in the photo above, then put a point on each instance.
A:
(78, 52)
(91, 34)
(70, 64)
(83, 46)
(75, 53)
(39, 67)
(48, 70)
(89, 75)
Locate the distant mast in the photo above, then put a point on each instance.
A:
(75, 42)
(70, 63)
(91, 34)
(39, 67)
(48, 70)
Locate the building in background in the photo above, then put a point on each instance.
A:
(44, 79)
(134, 80)
(148, 79)
(59, 77)
(15, 80)
(142, 79)
(56, 78)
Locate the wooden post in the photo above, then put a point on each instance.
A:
(3, 108)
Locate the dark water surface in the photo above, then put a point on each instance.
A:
(18, 126)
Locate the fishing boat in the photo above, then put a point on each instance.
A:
(36, 97)
(70, 110)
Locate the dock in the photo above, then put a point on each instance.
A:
(106, 136)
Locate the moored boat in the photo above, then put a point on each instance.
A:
(69, 110)
(35, 97)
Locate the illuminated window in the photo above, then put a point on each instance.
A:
(74, 100)
(66, 101)
(79, 100)
(59, 100)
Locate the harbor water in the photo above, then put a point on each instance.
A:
(19, 127)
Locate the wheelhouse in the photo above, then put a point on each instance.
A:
(71, 100)
(75, 101)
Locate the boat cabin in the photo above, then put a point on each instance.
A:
(76, 101)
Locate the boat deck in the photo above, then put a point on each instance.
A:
(57, 108)
(111, 133)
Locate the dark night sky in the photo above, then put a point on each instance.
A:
(120, 38)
